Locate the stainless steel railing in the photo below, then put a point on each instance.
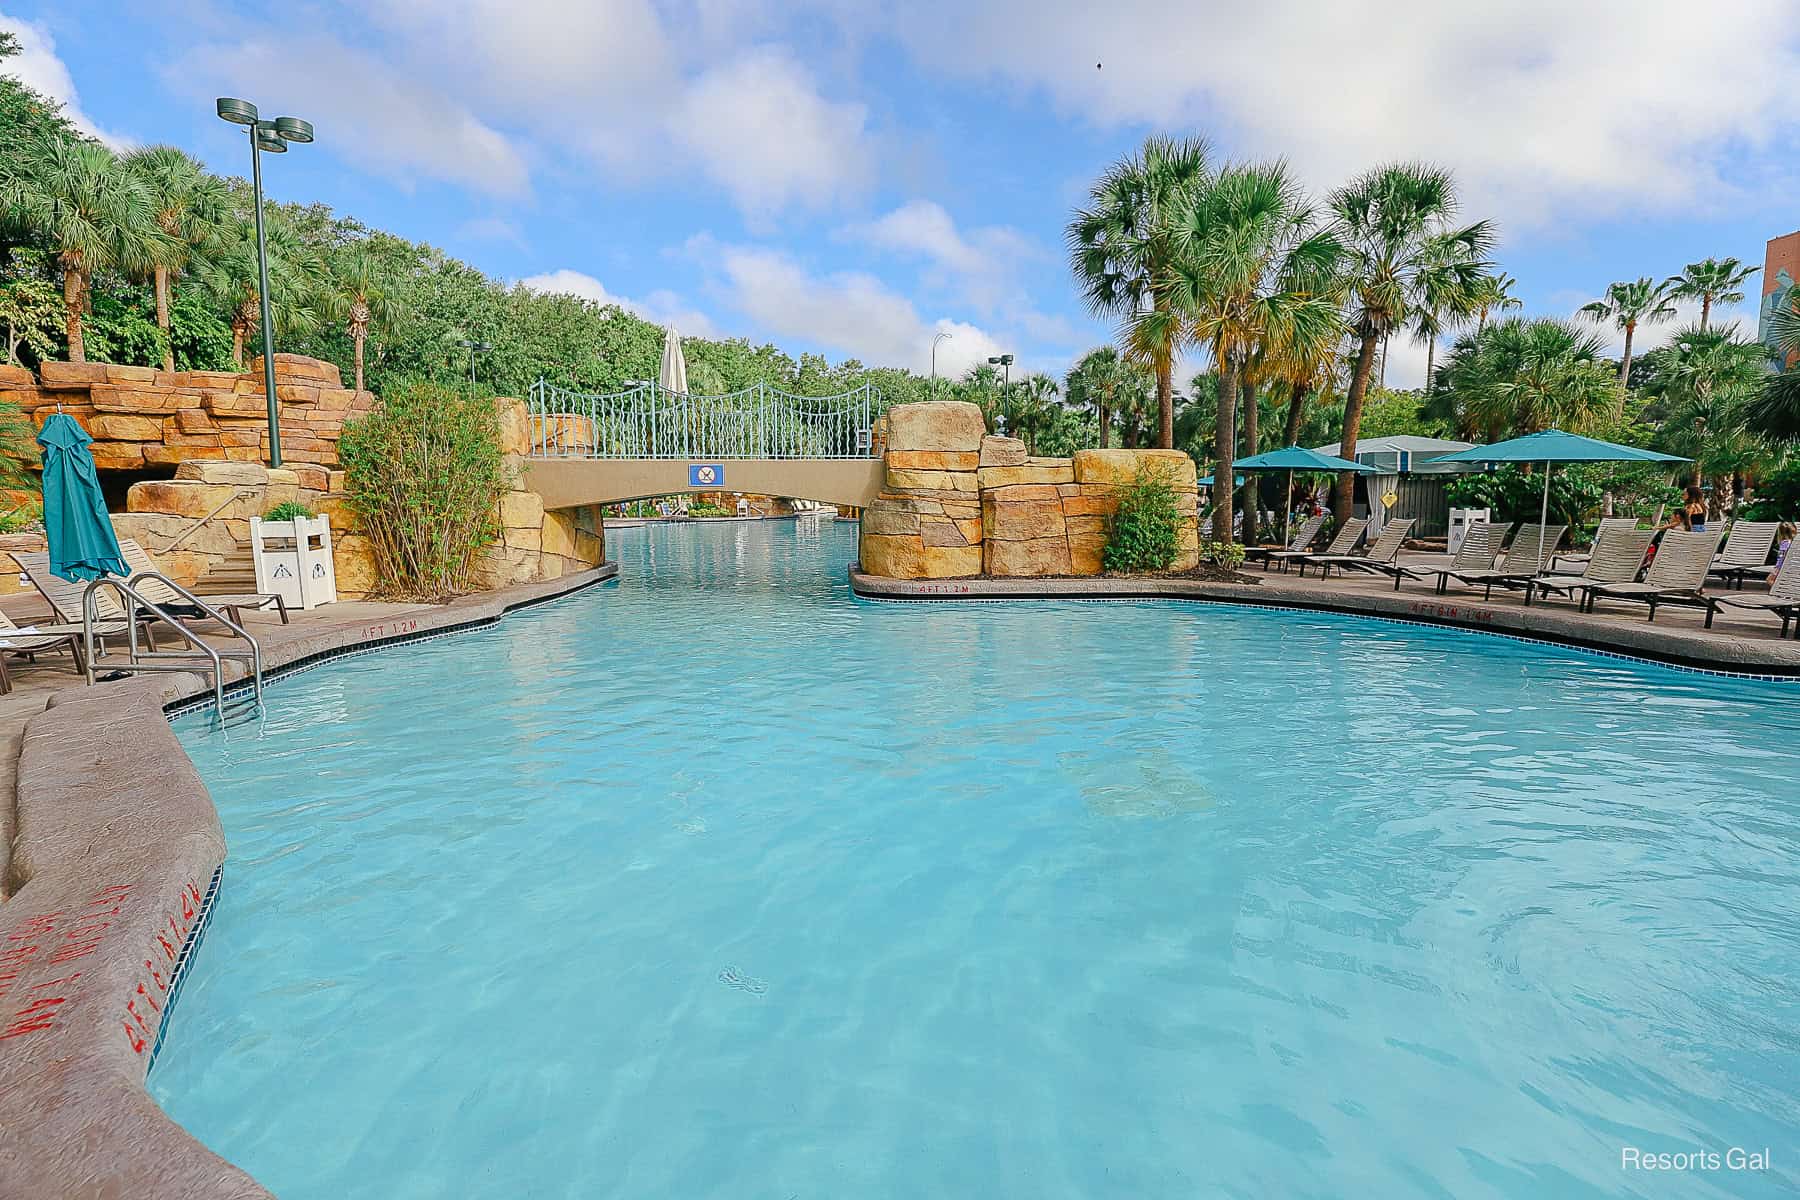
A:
(651, 422)
(132, 600)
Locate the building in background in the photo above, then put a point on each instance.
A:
(1780, 269)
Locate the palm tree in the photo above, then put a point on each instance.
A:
(1256, 275)
(96, 216)
(1521, 376)
(1493, 294)
(1775, 413)
(1701, 389)
(1032, 405)
(1628, 304)
(1124, 248)
(189, 204)
(1442, 308)
(1096, 380)
(1710, 281)
(228, 272)
(353, 293)
(1400, 248)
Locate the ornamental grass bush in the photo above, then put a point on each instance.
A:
(424, 474)
(1145, 532)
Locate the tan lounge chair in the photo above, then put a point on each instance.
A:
(1343, 542)
(33, 641)
(138, 560)
(1298, 544)
(66, 598)
(1784, 595)
(1617, 558)
(1385, 550)
(1561, 562)
(1532, 549)
(1677, 575)
(1479, 551)
(1746, 551)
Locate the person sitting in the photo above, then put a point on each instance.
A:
(1692, 513)
(1784, 538)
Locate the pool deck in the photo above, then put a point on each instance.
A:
(1741, 642)
(109, 851)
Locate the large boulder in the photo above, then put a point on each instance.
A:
(936, 425)
(1118, 467)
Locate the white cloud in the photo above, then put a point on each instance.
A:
(492, 229)
(1541, 106)
(662, 307)
(384, 121)
(760, 129)
(38, 67)
(850, 312)
(982, 263)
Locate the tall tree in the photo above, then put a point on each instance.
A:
(1775, 413)
(1701, 386)
(94, 215)
(189, 204)
(228, 271)
(1627, 305)
(1396, 223)
(1255, 275)
(1710, 281)
(1522, 376)
(355, 295)
(1493, 294)
(1125, 248)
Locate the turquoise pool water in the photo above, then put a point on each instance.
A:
(719, 883)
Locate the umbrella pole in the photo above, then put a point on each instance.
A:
(1287, 512)
(1543, 519)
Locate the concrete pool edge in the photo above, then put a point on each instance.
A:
(117, 851)
(1639, 641)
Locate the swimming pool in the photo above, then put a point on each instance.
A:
(719, 882)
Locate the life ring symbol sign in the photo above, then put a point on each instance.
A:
(707, 475)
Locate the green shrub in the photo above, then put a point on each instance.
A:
(1515, 495)
(424, 474)
(1145, 529)
(1229, 555)
(1777, 496)
(291, 510)
(26, 516)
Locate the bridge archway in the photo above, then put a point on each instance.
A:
(570, 482)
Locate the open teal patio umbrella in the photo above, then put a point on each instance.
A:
(1550, 447)
(1298, 458)
(82, 543)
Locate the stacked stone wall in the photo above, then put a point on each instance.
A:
(958, 501)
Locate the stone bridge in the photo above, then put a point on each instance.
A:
(585, 449)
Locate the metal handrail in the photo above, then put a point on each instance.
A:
(138, 662)
(191, 530)
(652, 422)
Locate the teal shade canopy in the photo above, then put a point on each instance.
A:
(1207, 481)
(83, 545)
(1297, 458)
(1554, 445)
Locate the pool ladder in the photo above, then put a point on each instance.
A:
(152, 659)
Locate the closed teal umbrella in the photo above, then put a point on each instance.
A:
(1551, 447)
(82, 543)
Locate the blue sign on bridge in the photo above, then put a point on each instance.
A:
(707, 475)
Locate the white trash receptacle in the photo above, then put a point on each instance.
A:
(1460, 520)
(293, 560)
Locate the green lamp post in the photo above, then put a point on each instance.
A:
(270, 137)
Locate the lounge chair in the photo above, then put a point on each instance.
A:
(1677, 575)
(1348, 534)
(138, 561)
(1617, 558)
(1581, 560)
(66, 598)
(34, 640)
(1382, 552)
(1746, 552)
(1479, 551)
(1532, 549)
(1784, 595)
(1298, 544)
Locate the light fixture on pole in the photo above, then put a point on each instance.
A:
(270, 137)
(1004, 362)
(473, 348)
(941, 335)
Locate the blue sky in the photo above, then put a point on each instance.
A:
(852, 178)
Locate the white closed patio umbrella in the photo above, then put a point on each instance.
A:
(673, 377)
